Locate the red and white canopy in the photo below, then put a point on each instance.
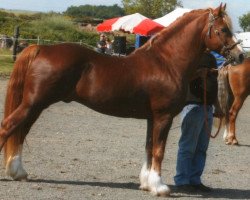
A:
(135, 23)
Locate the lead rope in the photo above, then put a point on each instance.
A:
(205, 110)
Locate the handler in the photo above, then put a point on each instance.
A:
(194, 140)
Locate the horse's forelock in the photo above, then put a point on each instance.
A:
(227, 20)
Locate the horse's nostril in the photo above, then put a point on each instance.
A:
(241, 57)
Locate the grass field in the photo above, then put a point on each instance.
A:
(6, 62)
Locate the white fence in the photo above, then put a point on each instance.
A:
(7, 43)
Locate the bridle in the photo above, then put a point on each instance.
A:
(225, 48)
(229, 59)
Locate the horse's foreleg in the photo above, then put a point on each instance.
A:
(226, 131)
(234, 110)
(156, 147)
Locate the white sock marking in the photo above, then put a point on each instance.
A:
(15, 169)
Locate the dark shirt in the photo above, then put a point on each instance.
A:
(197, 86)
(102, 43)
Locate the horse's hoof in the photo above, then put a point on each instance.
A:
(15, 170)
(161, 191)
(144, 188)
(22, 179)
(230, 141)
(227, 142)
(156, 186)
(20, 176)
(235, 142)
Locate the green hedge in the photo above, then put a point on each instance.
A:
(50, 26)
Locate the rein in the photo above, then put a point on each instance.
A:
(205, 111)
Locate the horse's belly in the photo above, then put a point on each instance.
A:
(120, 110)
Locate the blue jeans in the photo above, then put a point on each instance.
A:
(193, 144)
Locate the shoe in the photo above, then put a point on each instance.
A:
(202, 188)
(185, 188)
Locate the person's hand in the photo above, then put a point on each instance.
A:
(213, 71)
(201, 72)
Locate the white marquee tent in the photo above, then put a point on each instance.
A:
(172, 16)
(245, 37)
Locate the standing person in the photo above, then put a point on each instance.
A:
(194, 140)
(101, 44)
(109, 45)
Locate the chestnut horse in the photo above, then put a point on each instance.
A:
(150, 83)
(234, 87)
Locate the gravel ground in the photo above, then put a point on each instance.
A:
(73, 152)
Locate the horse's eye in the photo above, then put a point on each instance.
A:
(225, 30)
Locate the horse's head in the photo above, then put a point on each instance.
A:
(219, 36)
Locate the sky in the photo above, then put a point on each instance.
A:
(235, 8)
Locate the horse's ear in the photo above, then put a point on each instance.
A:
(220, 10)
(224, 7)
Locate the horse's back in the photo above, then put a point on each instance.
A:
(239, 78)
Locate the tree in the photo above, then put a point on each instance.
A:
(102, 12)
(244, 22)
(150, 8)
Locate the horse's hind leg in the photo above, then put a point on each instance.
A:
(147, 165)
(151, 171)
(14, 130)
(234, 110)
(14, 167)
(12, 122)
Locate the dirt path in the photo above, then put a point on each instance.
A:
(75, 153)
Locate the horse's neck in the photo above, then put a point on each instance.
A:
(182, 42)
(185, 36)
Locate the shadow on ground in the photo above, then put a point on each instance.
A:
(216, 193)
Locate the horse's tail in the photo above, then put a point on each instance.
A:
(224, 93)
(14, 97)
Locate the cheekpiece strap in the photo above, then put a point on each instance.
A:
(211, 18)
